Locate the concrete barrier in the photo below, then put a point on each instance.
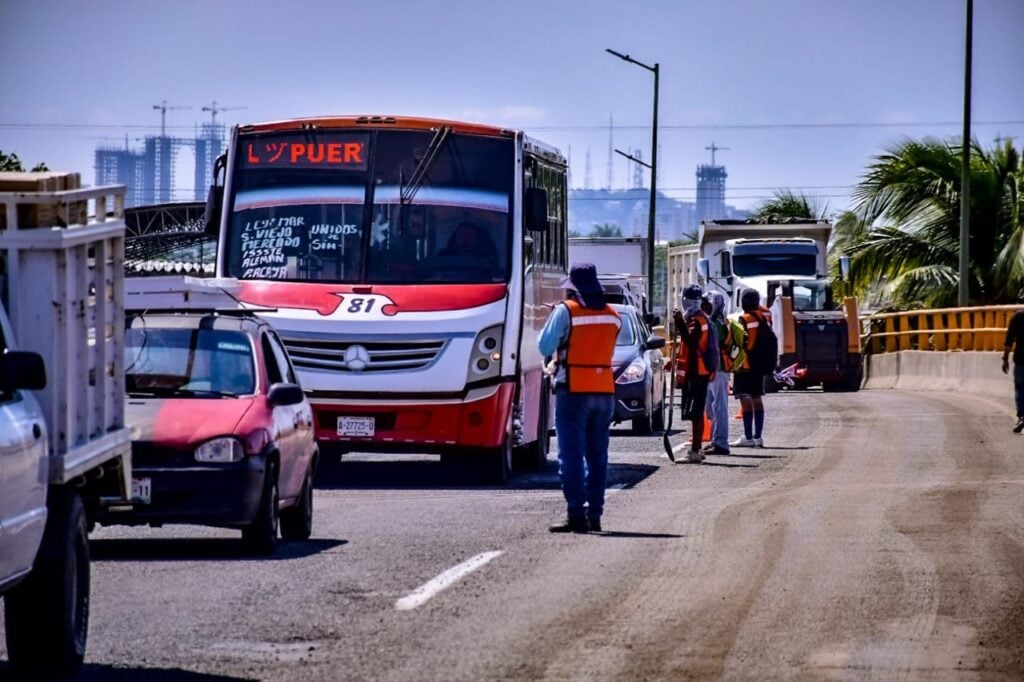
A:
(916, 370)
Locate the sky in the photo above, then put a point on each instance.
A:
(802, 94)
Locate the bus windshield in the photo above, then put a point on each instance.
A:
(391, 206)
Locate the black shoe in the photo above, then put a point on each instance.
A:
(1020, 425)
(570, 526)
(716, 450)
(595, 524)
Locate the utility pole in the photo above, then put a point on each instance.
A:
(963, 290)
(652, 214)
(163, 108)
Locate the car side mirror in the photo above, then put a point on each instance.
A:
(22, 370)
(654, 343)
(536, 209)
(282, 395)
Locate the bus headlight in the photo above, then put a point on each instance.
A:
(485, 360)
(634, 373)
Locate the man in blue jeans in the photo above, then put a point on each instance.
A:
(582, 332)
(1015, 342)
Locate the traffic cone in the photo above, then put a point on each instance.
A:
(707, 428)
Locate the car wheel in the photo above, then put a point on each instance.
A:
(658, 417)
(297, 521)
(260, 536)
(47, 614)
(643, 425)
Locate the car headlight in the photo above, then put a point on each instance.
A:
(220, 450)
(635, 372)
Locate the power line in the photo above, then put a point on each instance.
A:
(572, 128)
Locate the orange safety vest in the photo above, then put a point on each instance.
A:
(698, 323)
(751, 323)
(588, 356)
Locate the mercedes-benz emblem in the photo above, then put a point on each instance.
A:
(357, 358)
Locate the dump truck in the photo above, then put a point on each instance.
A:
(64, 445)
(787, 264)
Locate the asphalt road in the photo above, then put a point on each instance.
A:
(878, 535)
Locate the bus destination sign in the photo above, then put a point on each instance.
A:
(347, 152)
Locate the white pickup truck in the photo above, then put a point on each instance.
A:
(64, 447)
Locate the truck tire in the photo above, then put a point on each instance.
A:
(297, 521)
(47, 614)
(260, 536)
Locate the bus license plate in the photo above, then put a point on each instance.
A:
(142, 490)
(361, 427)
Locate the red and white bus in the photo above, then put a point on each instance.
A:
(411, 264)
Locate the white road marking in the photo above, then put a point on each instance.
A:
(428, 589)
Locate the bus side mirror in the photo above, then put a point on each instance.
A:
(703, 269)
(214, 204)
(215, 197)
(844, 268)
(536, 209)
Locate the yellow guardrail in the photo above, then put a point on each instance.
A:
(942, 329)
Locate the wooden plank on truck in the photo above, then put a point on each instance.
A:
(55, 212)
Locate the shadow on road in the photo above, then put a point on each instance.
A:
(370, 474)
(97, 672)
(200, 549)
(627, 534)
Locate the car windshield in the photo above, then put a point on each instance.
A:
(627, 333)
(186, 362)
(371, 207)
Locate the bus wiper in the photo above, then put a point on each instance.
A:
(409, 191)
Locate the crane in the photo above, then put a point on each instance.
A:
(164, 107)
(715, 148)
(214, 110)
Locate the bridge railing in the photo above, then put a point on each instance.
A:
(943, 329)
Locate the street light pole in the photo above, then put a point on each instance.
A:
(652, 209)
(963, 290)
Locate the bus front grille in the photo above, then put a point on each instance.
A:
(362, 356)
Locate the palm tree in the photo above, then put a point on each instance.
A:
(787, 204)
(606, 230)
(912, 194)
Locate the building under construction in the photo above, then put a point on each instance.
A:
(711, 189)
(149, 172)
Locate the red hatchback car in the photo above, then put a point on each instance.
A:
(223, 432)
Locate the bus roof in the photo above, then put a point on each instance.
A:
(405, 123)
(399, 122)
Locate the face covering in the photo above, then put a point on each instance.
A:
(690, 306)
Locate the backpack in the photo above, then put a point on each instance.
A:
(731, 343)
(710, 356)
(764, 356)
